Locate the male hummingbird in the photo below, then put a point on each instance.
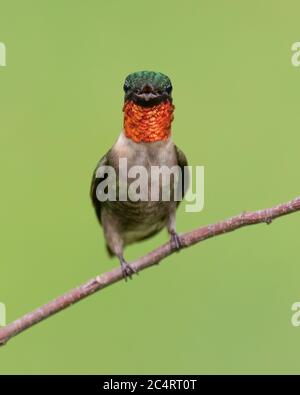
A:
(145, 141)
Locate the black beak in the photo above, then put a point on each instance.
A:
(147, 89)
(147, 94)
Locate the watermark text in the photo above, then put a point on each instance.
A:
(154, 184)
(2, 55)
(2, 314)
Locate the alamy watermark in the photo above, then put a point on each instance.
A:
(154, 183)
(295, 59)
(2, 55)
(2, 314)
(295, 320)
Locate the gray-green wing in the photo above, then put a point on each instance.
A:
(95, 182)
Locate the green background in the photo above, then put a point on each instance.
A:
(223, 306)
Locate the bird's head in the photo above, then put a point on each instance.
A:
(148, 108)
(147, 88)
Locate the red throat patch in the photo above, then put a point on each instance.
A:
(148, 124)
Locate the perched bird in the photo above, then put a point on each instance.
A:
(146, 141)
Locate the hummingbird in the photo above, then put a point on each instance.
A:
(145, 140)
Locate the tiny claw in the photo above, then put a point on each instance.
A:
(127, 270)
(175, 241)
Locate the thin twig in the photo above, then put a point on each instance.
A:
(109, 278)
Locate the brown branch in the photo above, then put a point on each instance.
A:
(154, 257)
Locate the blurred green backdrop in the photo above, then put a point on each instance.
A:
(223, 306)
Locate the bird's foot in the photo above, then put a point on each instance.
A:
(127, 270)
(175, 241)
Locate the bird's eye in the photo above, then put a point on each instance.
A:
(126, 87)
(168, 89)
